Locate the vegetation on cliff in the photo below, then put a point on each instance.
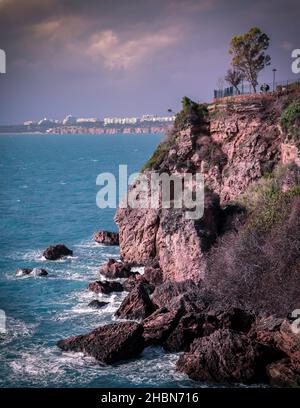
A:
(192, 113)
(290, 121)
(258, 266)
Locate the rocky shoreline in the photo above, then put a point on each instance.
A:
(219, 344)
(221, 290)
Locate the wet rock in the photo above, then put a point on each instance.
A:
(283, 373)
(55, 252)
(39, 272)
(106, 237)
(153, 275)
(114, 269)
(137, 305)
(96, 304)
(23, 271)
(158, 326)
(108, 344)
(223, 357)
(105, 287)
(135, 280)
(33, 272)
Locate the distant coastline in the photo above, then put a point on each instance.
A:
(72, 130)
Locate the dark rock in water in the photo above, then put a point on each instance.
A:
(283, 373)
(105, 287)
(135, 280)
(136, 305)
(55, 252)
(153, 275)
(113, 269)
(96, 304)
(33, 272)
(223, 357)
(39, 272)
(23, 271)
(188, 328)
(158, 326)
(106, 237)
(108, 344)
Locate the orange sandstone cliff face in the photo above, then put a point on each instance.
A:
(239, 142)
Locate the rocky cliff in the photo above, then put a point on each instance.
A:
(223, 288)
(233, 142)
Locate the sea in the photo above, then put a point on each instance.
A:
(47, 196)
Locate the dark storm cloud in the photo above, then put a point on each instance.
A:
(127, 56)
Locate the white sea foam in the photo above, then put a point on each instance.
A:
(139, 269)
(15, 328)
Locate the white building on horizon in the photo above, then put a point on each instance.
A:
(69, 120)
(120, 121)
(156, 118)
(87, 120)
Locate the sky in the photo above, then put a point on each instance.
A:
(129, 57)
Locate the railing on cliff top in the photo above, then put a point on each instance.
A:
(246, 89)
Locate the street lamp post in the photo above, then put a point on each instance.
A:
(274, 73)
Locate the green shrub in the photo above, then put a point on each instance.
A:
(258, 266)
(290, 121)
(265, 201)
(159, 154)
(275, 209)
(192, 113)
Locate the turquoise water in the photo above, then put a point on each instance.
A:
(48, 195)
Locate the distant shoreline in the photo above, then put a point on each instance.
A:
(76, 134)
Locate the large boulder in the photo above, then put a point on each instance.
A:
(158, 326)
(137, 304)
(113, 269)
(187, 296)
(58, 251)
(284, 373)
(136, 280)
(225, 356)
(227, 317)
(153, 275)
(106, 237)
(105, 287)
(188, 328)
(108, 344)
(279, 334)
(31, 272)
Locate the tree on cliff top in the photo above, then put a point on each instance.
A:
(234, 78)
(248, 51)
